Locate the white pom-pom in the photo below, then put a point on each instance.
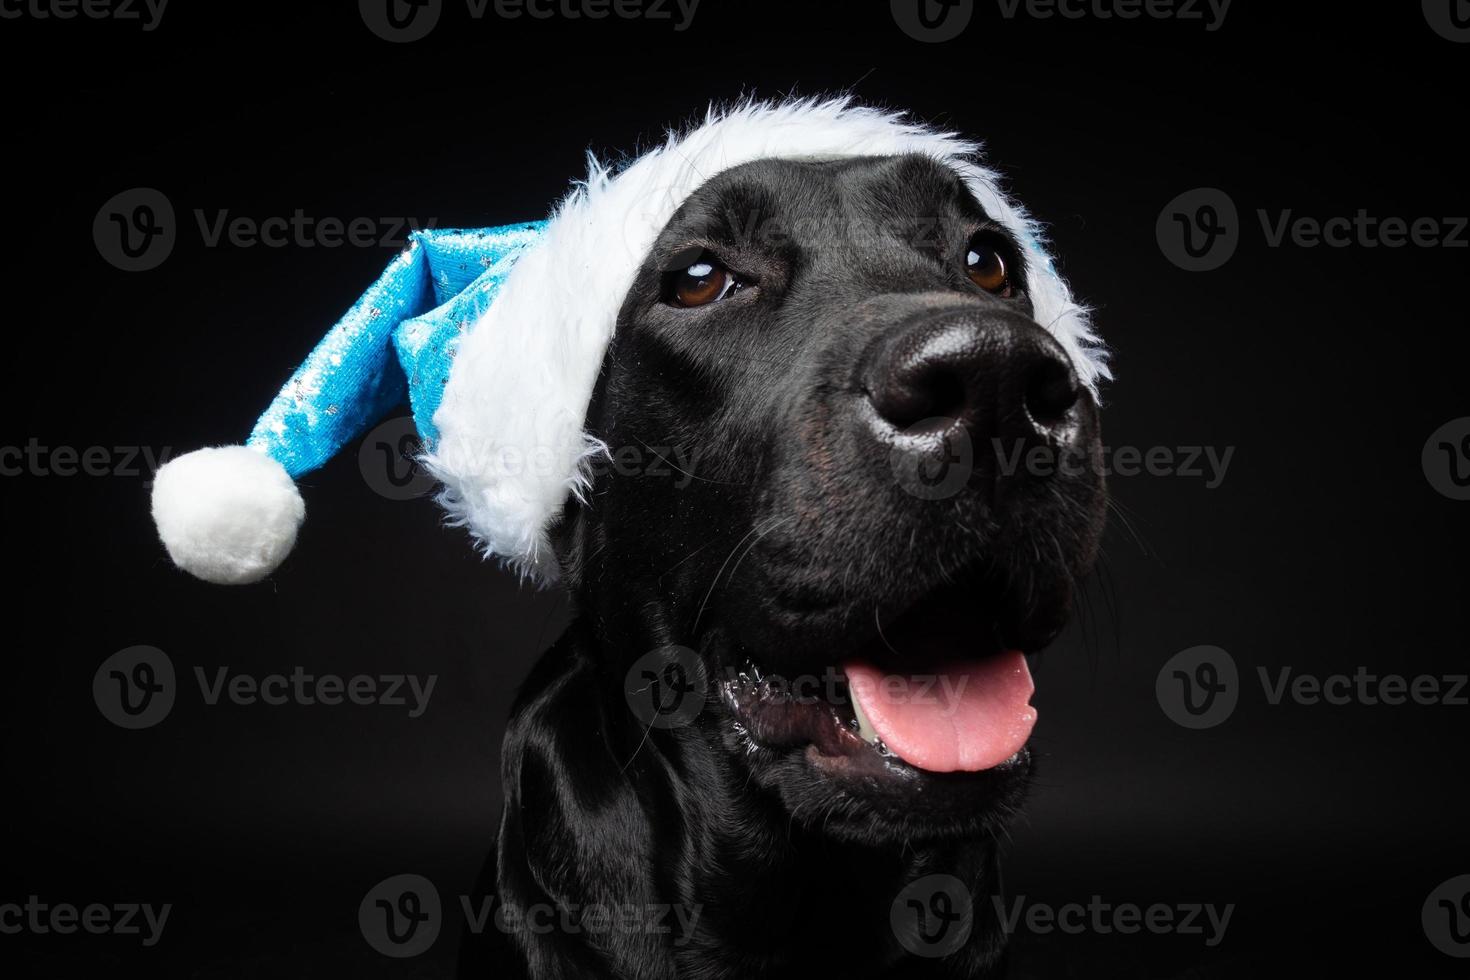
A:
(227, 515)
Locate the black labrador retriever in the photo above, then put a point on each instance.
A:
(789, 719)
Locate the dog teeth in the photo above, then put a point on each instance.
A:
(866, 732)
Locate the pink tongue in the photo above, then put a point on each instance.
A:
(964, 718)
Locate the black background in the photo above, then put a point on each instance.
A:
(1325, 548)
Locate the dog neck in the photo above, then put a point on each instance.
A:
(625, 849)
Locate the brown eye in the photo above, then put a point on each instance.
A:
(702, 282)
(986, 266)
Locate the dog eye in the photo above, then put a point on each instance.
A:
(702, 282)
(986, 265)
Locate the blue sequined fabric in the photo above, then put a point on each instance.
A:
(398, 339)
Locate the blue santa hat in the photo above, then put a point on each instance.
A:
(496, 337)
(230, 514)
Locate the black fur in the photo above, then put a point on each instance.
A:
(783, 544)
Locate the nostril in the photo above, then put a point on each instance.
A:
(1051, 391)
(934, 392)
(943, 393)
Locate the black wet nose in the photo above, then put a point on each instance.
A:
(998, 376)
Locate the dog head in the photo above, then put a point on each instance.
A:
(854, 442)
(854, 477)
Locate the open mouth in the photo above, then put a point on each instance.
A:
(936, 690)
